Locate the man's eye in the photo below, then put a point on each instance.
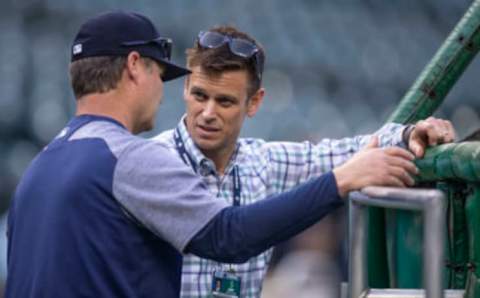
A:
(199, 95)
(226, 103)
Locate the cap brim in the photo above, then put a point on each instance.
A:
(173, 71)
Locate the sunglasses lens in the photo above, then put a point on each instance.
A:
(243, 48)
(211, 39)
(165, 45)
(167, 48)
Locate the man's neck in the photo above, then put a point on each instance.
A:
(105, 104)
(220, 157)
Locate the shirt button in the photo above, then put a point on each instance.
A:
(204, 171)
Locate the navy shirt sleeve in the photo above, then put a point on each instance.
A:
(239, 233)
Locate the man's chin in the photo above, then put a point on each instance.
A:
(206, 145)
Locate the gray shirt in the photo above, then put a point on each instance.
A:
(154, 186)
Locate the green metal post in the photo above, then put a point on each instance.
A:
(443, 71)
(421, 100)
(472, 211)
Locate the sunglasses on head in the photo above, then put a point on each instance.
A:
(162, 43)
(238, 46)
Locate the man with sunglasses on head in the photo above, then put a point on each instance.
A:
(103, 213)
(223, 89)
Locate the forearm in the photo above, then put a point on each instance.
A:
(306, 160)
(390, 134)
(331, 153)
(239, 233)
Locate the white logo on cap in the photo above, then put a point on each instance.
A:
(77, 49)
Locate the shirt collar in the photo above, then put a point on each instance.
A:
(204, 164)
(92, 117)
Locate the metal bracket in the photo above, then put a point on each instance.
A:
(432, 205)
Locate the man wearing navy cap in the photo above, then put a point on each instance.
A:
(103, 213)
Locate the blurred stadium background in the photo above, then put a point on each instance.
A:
(334, 69)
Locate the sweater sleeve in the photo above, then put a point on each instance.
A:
(236, 234)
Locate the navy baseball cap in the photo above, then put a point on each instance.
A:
(118, 33)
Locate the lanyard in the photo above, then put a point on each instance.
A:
(188, 160)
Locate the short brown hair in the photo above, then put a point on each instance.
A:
(218, 60)
(98, 74)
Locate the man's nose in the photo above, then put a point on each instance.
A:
(209, 110)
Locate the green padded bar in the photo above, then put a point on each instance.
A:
(451, 161)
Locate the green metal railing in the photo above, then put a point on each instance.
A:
(443, 71)
(394, 251)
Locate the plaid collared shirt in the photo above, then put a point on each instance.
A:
(265, 168)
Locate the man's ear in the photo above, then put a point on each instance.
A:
(255, 102)
(186, 83)
(133, 66)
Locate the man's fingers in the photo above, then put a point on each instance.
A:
(433, 131)
(402, 163)
(445, 131)
(426, 131)
(402, 175)
(430, 132)
(417, 149)
(450, 131)
(417, 146)
(394, 181)
(400, 152)
(373, 143)
(391, 166)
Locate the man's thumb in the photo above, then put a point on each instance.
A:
(373, 143)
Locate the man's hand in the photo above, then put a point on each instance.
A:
(392, 166)
(430, 132)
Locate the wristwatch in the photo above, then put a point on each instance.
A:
(407, 131)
